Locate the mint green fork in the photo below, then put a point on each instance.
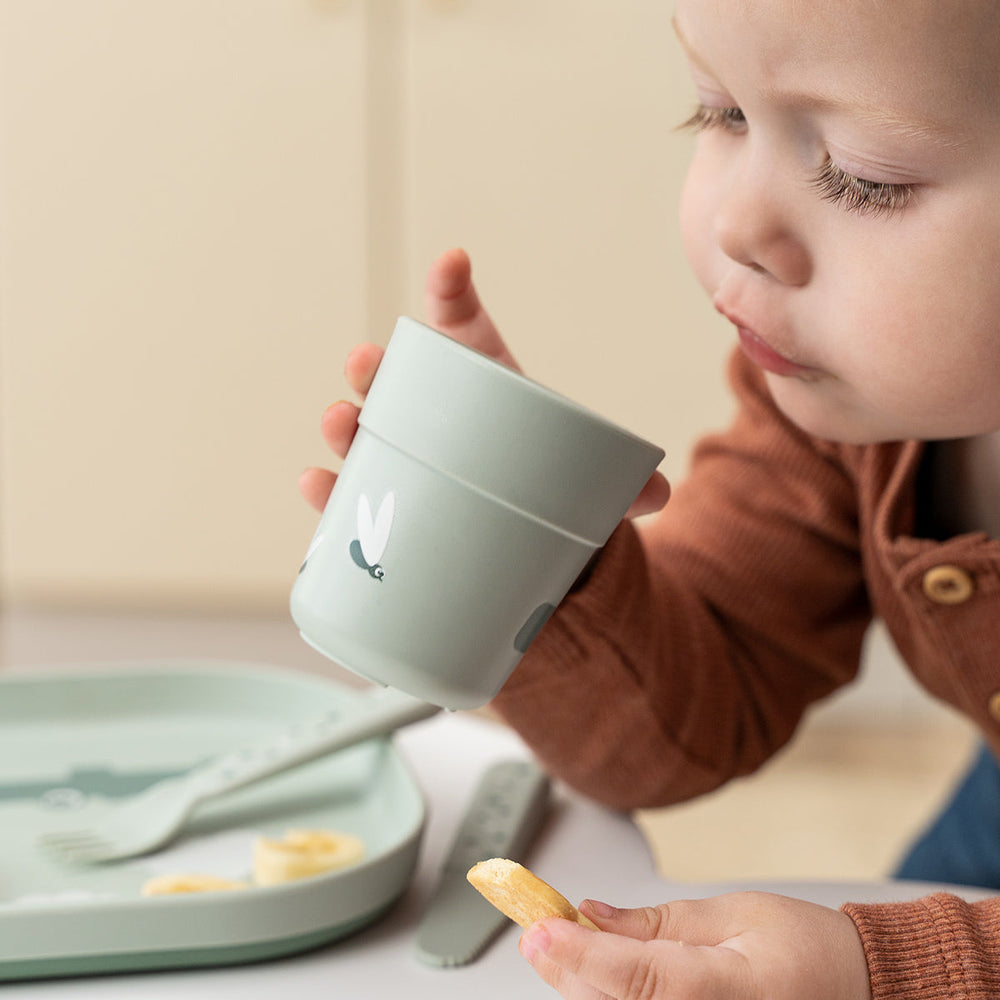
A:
(152, 818)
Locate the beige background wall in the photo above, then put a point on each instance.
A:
(204, 205)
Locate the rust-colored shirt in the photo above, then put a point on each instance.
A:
(701, 637)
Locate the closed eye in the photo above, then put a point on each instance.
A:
(834, 184)
(704, 118)
(856, 194)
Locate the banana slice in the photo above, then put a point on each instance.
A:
(301, 853)
(164, 885)
(520, 894)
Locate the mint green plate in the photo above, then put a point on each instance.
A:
(73, 742)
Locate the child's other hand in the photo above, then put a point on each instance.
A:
(742, 946)
(453, 307)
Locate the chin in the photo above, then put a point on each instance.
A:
(819, 409)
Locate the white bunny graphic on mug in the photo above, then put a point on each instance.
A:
(373, 534)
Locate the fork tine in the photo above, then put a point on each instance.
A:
(85, 855)
(77, 848)
(68, 841)
(64, 836)
(82, 851)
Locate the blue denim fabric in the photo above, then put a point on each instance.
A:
(962, 846)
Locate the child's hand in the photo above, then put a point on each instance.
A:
(743, 946)
(453, 307)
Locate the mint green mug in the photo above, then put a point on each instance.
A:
(469, 502)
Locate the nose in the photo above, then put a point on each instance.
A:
(755, 225)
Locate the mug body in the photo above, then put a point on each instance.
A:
(420, 582)
(469, 502)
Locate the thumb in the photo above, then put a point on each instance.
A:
(643, 923)
(652, 497)
(694, 922)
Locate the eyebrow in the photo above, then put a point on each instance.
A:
(873, 115)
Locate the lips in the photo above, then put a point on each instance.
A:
(762, 354)
(766, 357)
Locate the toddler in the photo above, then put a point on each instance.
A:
(841, 211)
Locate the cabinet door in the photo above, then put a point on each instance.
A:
(542, 137)
(182, 266)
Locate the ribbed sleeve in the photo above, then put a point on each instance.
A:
(701, 637)
(936, 948)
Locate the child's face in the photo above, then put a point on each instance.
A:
(843, 205)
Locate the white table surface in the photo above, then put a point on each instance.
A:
(583, 850)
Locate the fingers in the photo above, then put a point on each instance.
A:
(449, 295)
(583, 965)
(535, 944)
(691, 921)
(315, 486)
(361, 365)
(644, 923)
(452, 306)
(652, 497)
(695, 921)
(339, 424)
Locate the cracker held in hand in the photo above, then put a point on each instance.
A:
(522, 895)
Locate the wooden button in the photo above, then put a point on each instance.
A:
(994, 705)
(948, 585)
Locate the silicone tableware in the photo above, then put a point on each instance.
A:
(76, 740)
(152, 818)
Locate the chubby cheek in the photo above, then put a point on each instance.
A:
(920, 351)
(919, 310)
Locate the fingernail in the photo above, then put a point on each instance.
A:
(598, 909)
(534, 940)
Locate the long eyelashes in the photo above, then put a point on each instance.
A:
(859, 195)
(705, 118)
(856, 194)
